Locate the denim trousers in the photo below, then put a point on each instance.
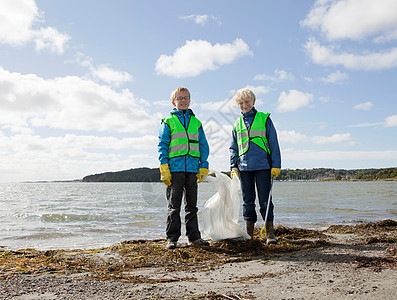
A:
(262, 180)
(183, 186)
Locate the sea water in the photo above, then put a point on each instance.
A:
(77, 215)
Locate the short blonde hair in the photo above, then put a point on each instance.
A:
(179, 89)
(244, 93)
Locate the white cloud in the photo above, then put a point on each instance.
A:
(201, 19)
(346, 159)
(334, 139)
(218, 136)
(165, 103)
(71, 156)
(24, 143)
(292, 137)
(215, 130)
(69, 103)
(145, 142)
(323, 99)
(391, 121)
(259, 90)
(327, 56)
(366, 125)
(391, 36)
(218, 105)
(102, 72)
(110, 75)
(364, 106)
(82, 60)
(335, 77)
(198, 19)
(227, 110)
(293, 100)
(197, 56)
(17, 27)
(354, 19)
(16, 20)
(279, 75)
(50, 38)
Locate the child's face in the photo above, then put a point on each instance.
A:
(182, 100)
(245, 105)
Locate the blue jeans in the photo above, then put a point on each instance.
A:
(262, 180)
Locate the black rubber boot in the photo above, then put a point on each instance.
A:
(250, 228)
(270, 237)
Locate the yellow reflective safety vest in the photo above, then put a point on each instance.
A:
(256, 134)
(183, 141)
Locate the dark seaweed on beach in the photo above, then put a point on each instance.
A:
(376, 263)
(381, 226)
(120, 262)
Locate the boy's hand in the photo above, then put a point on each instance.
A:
(165, 174)
(234, 172)
(275, 172)
(202, 172)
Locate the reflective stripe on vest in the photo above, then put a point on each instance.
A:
(183, 141)
(256, 134)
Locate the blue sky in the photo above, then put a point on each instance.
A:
(84, 84)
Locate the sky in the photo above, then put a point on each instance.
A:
(84, 84)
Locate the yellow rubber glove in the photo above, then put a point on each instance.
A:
(165, 174)
(275, 172)
(202, 172)
(234, 172)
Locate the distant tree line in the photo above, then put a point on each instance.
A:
(377, 174)
(153, 175)
(132, 175)
(317, 174)
(338, 174)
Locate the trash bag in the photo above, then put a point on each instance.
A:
(221, 212)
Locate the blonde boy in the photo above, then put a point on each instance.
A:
(255, 157)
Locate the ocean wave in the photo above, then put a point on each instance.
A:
(392, 211)
(45, 235)
(61, 218)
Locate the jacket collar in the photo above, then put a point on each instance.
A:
(180, 113)
(251, 113)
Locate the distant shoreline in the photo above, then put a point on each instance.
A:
(145, 174)
(312, 180)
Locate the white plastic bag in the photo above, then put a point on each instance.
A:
(221, 212)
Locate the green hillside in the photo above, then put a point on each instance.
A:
(339, 174)
(132, 175)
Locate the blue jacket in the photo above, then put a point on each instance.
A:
(256, 158)
(185, 163)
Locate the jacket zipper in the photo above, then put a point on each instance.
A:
(184, 125)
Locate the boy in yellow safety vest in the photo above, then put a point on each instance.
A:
(183, 153)
(255, 157)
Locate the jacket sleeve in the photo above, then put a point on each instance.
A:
(233, 150)
(273, 144)
(164, 143)
(204, 149)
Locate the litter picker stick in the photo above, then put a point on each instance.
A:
(267, 208)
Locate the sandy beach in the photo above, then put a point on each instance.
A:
(342, 262)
